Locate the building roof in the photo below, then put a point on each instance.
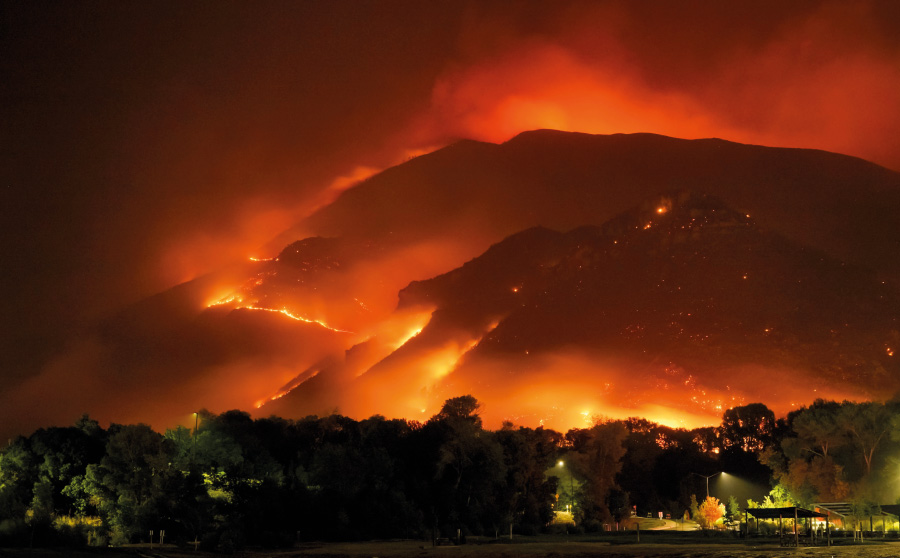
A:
(774, 513)
(843, 509)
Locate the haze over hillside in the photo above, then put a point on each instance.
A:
(366, 307)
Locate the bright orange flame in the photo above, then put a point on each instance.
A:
(284, 391)
(416, 330)
(226, 300)
(291, 315)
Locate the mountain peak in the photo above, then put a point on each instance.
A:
(677, 213)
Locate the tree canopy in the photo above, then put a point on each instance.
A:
(237, 481)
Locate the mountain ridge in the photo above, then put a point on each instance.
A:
(565, 179)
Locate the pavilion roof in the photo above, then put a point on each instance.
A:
(789, 512)
(843, 508)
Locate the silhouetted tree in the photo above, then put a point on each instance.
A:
(748, 427)
(596, 457)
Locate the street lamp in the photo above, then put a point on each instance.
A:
(562, 463)
(707, 477)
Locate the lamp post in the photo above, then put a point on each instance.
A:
(194, 436)
(562, 463)
(707, 477)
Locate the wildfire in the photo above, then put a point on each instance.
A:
(293, 316)
(237, 299)
(232, 298)
(445, 361)
(414, 332)
(286, 389)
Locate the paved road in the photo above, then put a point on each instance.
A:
(672, 525)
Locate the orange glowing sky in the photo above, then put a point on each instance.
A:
(145, 146)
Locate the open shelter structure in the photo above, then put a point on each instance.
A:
(887, 513)
(796, 514)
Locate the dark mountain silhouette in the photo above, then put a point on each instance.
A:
(842, 205)
(681, 275)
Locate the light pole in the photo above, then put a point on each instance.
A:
(562, 463)
(194, 436)
(707, 477)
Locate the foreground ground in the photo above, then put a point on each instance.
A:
(539, 547)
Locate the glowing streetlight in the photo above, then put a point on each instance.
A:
(562, 463)
(707, 477)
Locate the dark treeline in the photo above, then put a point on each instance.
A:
(235, 481)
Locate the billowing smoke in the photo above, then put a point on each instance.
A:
(824, 77)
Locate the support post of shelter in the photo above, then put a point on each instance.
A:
(781, 529)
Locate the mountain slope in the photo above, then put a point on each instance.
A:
(678, 306)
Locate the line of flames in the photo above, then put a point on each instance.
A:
(237, 298)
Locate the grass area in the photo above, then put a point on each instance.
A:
(664, 545)
(653, 544)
